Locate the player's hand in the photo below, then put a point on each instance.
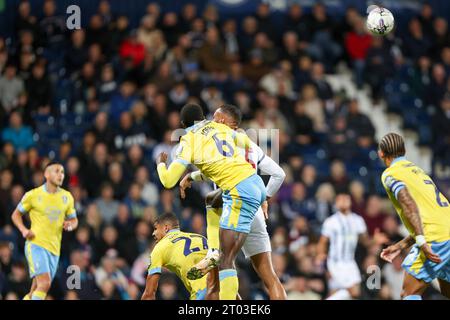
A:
(185, 183)
(28, 234)
(162, 158)
(390, 253)
(265, 209)
(319, 260)
(430, 254)
(379, 237)
(67, 225)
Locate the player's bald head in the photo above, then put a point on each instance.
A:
(229, 114)
(392, 145)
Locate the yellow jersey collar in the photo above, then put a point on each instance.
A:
(44, 186)
(402, 158)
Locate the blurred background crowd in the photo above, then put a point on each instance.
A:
(105, 99)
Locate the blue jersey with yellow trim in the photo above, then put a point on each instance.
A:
(179, 251)
(214, 149)
(47, 214)
(434, 208)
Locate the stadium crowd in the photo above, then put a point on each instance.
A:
(105, 99)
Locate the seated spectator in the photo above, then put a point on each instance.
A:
(11, 86)
(76, 55)
(338, 176)
(116, 178)
(303, 125)
(416, 43)
(106, 204)
(357, 44)
(19, 135)
(314, 107)
(134, 201)
(123, 100)
(373, 216)
(299, 204)
(109, 271)
(150, 192)
(212, 53)
(39, 89)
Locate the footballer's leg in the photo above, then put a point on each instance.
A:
(445, 288)
(33, 288)
(213, 203)
(213, 285)
(240, 206)
(413, 288)
(231, 242)
(262, 263)
(43, 283)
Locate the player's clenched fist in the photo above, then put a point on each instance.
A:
(162, 158)
(28, 234)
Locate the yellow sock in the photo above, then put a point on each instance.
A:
(212, 227)
(27, 297)
(38, 295)
(229, 284)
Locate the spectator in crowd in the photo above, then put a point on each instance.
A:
(19, 135)
(10, 88)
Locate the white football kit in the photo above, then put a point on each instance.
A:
(343, 231)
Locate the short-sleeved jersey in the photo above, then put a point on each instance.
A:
(179, 251)
(47, 214)
(213, 148)
(434, 208)
(343, 231)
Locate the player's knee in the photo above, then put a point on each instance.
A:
(44, 285)
(355, 291)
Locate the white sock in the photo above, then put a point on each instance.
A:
(212, 251)
(341, 294)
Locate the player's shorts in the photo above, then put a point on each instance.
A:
(344, 274)
(241, 203)
(258, 240)
(200, 295)
(417, 265)
(40, 260)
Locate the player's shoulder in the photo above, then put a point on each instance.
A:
(34, 191)
(65, 193)
(357, 217)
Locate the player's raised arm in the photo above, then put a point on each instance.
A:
(169, 176)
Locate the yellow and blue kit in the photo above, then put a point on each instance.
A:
(214, 149)
(434, 210)
(47, 214)
(178, 251)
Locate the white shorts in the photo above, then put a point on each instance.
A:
(258, 240)
(344, 274)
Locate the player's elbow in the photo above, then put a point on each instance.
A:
(168, 183)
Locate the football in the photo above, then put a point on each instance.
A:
(380, 21)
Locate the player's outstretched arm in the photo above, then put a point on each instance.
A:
(169, 176)
(16, 218)
(391, 252)
(151, 285)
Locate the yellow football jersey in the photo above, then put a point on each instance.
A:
(434, 208)
(213, 148)
(47, 214)
(179, 251)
